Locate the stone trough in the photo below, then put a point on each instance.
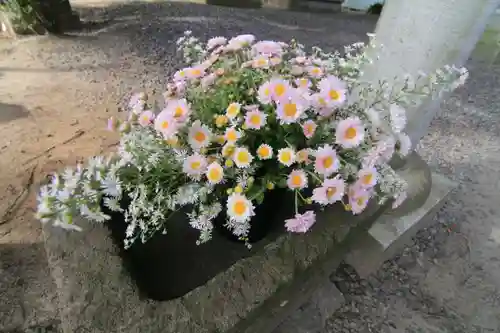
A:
(256, 293)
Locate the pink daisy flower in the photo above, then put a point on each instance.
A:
(297, 180)
(264, 94)
(326, 162)
(367, 177)
(315, 72)
(303, 83)
(255, 119)
(180, 75)
(166, 124)
(260, 62)
(291, 109)
(333, 90)
(350, 132)
(358, 199)
(179, 108)
(146, 118)
(280, 89)
(331, 191)
(215, 42)
(267, 48)
(195, 72)
(301, 222)
(309, 128)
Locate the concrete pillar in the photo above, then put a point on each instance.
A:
(424, 35)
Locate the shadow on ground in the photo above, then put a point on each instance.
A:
(25, 305)
(10, 112)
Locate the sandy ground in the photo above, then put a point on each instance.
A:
(55, 97)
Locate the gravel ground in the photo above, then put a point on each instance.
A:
(447, 281)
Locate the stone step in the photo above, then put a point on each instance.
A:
(391, 233)
(255, 295)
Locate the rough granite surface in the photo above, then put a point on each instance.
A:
(96, 295)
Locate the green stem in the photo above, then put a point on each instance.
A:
(296, 205)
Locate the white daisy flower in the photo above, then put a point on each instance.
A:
(239, 208)
(232, 135)
(233, 110)
(166, 124)
(194, 165)
(265, 152)
(326, 161)
(291, 109)
(242, 157)
(199, 135)
(255, 119)
(367, 177)
(215, 173)
(286, 156)
(350, 132)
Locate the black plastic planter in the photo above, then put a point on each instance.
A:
(169, 266)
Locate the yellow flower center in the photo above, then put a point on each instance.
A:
(243, 157)
(316, 71)
(240, 207)
(360, 201)
(263, 151)
(309, 128)
(200, 136)
(367, 179)
(231, 135)
(296, 180)
(334, 94)
(182, 73)
(279, 89)
(321, 101)
(290, 109)
(327, 162)
(233, 110)
(261, 62)
(221, 120)
(350, 133)
(214, 174)
(303, 83)
(195, 165)
(178, 112)
(255, 119)
(195, 72)
(286, 157)
(331, 192)
(145, 118)
(164, 125)
(267, 91)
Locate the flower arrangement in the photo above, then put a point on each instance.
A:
(243, 118)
